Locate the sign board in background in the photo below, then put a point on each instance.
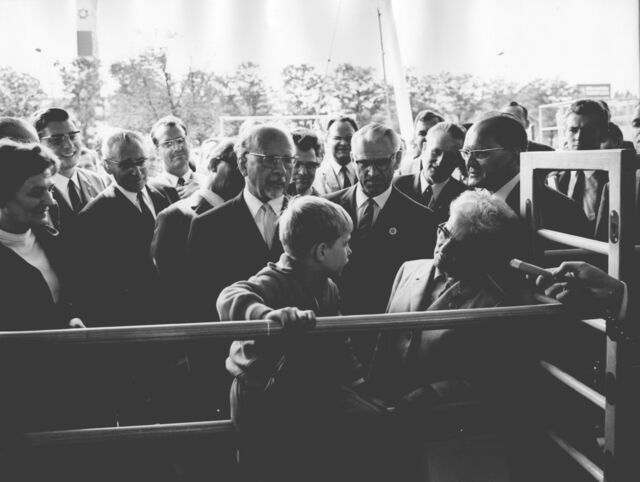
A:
(590, 91)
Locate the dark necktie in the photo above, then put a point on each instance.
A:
(427, 195)
(346, 182)
(144, 209)
(181, 181)
(366, 221)
(74, 197)
(578, 189)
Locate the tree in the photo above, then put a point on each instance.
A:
(303, 91)
(20, 93)
(82, 83)
(245, 92)
(352, 89)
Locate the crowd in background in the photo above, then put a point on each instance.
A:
(286, 225)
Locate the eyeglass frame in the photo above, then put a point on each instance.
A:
(173, 143)
(139, 163)
(271, 160)
(365, 163)
(53, 139)
(466, 153)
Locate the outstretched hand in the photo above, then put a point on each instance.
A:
(294, 320)
(584, 287)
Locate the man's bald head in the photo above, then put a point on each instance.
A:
(265, 159)
(17, 129)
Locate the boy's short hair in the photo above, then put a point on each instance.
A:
(310, 220)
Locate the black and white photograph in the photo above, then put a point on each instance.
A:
(320, 240)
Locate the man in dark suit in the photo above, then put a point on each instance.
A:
(173, 223)
(118, 284)
(433, 186)
(74, 187)
(178, 181)
(521, 114)
(238, 238)
(389, 228)
(586, 124)
(423, 122)
(492, 150)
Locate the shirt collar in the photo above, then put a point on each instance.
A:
(62, 182)
(173, 179)
(504, 191)
(435, 188)
(380, 199)
(255, 204)
(211, 197)
(133, 196)
(336, 166)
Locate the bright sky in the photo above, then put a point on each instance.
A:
(581, 41)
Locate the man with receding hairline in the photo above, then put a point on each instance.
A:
(119, 285)
(234, 240)
(492, 150)
(389, 228)
(336, 170)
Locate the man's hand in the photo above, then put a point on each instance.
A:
(583, 286)
(294, 320)
(76, 323)
(189, 187)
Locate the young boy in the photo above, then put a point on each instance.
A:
(291, 398)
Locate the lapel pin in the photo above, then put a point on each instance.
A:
(393, 231)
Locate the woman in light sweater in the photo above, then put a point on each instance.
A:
(33, 293)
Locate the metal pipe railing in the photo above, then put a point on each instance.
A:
(575, 384)
(173, 333)
(591, 245)
(581, 459)
(128, 434)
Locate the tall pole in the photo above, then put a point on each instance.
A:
(384, 68)
(396, 72)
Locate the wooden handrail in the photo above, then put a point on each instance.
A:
(173, 333)
(581, 459)
(599, 160)
(127, 434)
(575, 384)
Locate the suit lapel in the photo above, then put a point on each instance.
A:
(418, 300)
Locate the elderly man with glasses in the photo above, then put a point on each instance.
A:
(117, 281)
(74, 187)
(178, 180)
(492, 150)
(238, 238)
(389, 228)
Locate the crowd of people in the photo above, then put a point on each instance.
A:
(289, 226)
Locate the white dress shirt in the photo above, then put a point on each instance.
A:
(379, 202)
(436, 189)
(255, 206)
(62, 184)
(351, 171)
(133, 197)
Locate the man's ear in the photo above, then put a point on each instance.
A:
(396, 159)
(107, 167)
(242, 164)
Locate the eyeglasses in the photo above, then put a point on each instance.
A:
(479, 154)
(178, 142)
(58, 139)
(443, 231)
(130, 164)
(381, 164)
(347, 139)
(309, 165)
(274, 161)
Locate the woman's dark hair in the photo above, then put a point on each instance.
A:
(215, 153)
(18, 162)
(305, 139)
